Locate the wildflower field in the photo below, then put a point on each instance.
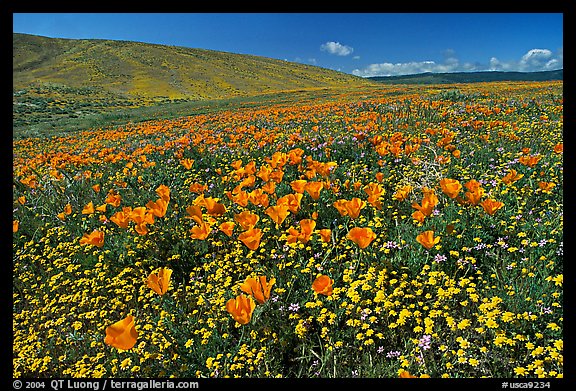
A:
(386, 233)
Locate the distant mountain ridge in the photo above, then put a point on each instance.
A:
(133, 69)
(470, 77)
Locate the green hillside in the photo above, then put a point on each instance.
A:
(69, 78)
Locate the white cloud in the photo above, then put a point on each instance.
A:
(356, 58)
(336, 48)
(534, 60)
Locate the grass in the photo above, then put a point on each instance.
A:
(484, 301)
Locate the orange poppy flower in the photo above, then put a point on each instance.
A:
(269, 187)
(159, 280)
(374, 191)
(418, 216)
(187, 163)
(277, 176)
(201, 231)
(379, 176)
(101, 208)
(251, 238)
(323, 285)
(406, 375)
(259, 288)
(264, 173)
(142, 228)
(491, 206)
(529, 161)
(450, 187)
(326, 235)
(354, 206)
(306, 229)
(340, 205)
(298, 185)
(15, 225)
(241, 308)
(456, 153)
(427, 239)
(158, 208)
(292, 201)
(314, 188)
(246, 219)
(511, 177)
(163, 192)
(278, 213)
(121, 219)
(68, 209)
(227, 227)
(22, 200)
(361, 236)
(402, 193)
(96, 238)
(195, 213)
(559, 148)
(546, 187)
(96, 187)
(198, 188)
(114, 199)
(141, 215)
(88, 209)
(213, 207)
(122, 334)
(429, 201)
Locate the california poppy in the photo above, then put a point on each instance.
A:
(323, 285)
(292, 201)
(213, 207)
(241, 308)
(258, 288)
(298, 185)
(227, 227)
(402, 193)
(121, 219)
(187, 163)
(546, 187)
(15, 225)
(314, 188)
(326, 235)
(278, 213)
(246, 219)
(511, 177)
(427, 239)
(159, 280)
(450, 187)
(96, 187)
(122, 334)
(361, 236)
(559, 148)
(201, 231)
(195, 213)
(306, 229)
(163, 192)
(406, 374)
(113, 199)
(96, 238)
(251, 238)
(491, 206)
(354, 206)
(158, 208)
(88, 209)
(340, 205)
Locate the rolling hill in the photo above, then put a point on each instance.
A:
(469, 77)
(140, 70)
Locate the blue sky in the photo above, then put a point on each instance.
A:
(371, 44)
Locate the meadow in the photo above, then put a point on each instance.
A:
(387, 233)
